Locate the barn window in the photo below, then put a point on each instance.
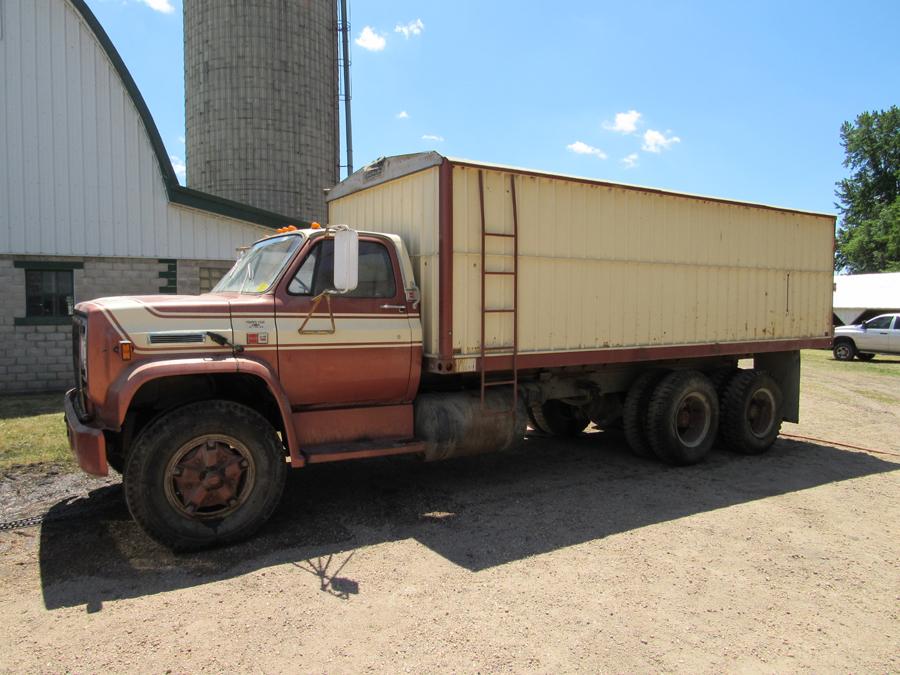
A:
(49, 290)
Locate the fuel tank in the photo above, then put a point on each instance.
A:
(456, 424)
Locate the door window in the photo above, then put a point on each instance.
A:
(882, 322)
(376, 272)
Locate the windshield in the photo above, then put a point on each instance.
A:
(257, 269)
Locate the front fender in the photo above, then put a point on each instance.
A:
(122, 391)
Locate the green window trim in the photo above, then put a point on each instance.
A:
(42, 320)
(48, 265)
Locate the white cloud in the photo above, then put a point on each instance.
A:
(412, 28)
(580, 148)
(402, 115)
(630, 161)
(180, 168)
(163, 6)
(656, 141)
(181, 139)
(370, 40)
(625, 122)
(432, 137)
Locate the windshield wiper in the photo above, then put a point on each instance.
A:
(248, 276)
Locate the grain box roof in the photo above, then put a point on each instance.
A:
(385, 169)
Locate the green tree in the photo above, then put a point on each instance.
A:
(868, 238)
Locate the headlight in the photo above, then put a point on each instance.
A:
(80, 348)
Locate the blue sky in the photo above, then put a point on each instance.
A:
(739, 100)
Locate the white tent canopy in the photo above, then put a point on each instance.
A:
(855, 294)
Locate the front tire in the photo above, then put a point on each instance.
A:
(206, 474)
(844, 350)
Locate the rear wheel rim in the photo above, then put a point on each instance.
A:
(209, 477)
(761, 413)
(693, 418)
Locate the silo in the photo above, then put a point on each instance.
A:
(261, 102)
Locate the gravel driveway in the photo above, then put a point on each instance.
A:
(566, 555)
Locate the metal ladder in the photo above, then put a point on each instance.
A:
(513, 312)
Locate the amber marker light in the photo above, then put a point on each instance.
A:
(126, 350)
(315, 226)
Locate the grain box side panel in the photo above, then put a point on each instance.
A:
(408, 207)
(604, 267)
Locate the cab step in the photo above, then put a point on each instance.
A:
(337, 452)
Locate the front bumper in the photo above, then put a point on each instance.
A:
(87, 443)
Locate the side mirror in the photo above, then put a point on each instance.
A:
(346, 260)
(864, 326)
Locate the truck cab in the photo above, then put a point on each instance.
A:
(312, 370)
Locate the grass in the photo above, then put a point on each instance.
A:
(888, 366)
(876, 396)
(32, 430)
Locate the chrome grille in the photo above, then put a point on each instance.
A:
(79, 354)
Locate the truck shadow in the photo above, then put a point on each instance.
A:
(477, 512)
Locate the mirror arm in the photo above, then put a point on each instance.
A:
(312, 310)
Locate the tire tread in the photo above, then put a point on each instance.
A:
(658, 418)
(634, 412)
(170, 423)
(733, 430)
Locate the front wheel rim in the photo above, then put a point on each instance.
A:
(843, 351)
(209, 477)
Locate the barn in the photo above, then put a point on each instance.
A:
(90, 205)
(859, 297)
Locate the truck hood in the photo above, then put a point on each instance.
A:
(849, 330)
(167, 323)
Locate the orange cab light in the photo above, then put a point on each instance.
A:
(315, 226)
(126, 350)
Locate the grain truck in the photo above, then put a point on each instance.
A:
(449, 304)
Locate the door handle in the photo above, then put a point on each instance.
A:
(400, 307)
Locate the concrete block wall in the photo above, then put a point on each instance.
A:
(38, 358)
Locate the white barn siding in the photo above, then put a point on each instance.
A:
(80, 176)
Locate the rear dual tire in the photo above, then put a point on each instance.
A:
(634, 412)
(683, 418)
(677, 416)
(752, 411)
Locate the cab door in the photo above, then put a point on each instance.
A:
(365, 356)
(895, 336)
(877, 335)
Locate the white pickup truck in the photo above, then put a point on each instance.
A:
(880, 335)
